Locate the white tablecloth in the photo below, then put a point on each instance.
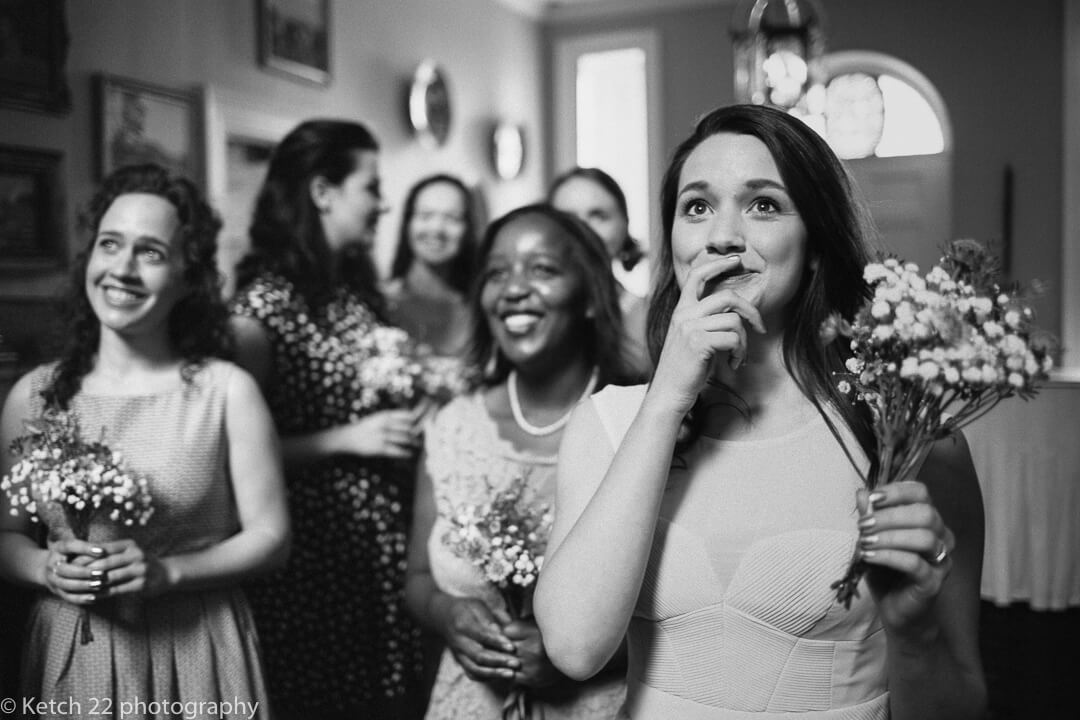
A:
(1027, 455)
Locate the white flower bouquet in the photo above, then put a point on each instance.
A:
(505, 538)
(930, 354)
(84, 480)
(395, 372)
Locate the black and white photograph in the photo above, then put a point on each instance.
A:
(540, 359)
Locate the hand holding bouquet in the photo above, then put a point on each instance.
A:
(932, 354)
(84, 480)
(505, 539)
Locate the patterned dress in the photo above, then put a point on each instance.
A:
(154, 657)
(337, 640)
(464, 454)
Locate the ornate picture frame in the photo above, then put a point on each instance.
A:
(31, 210)
(139, 122)
(294, 38)
(33, 52)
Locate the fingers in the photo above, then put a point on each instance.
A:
(74, 582)
(704, 268)
(901, 529)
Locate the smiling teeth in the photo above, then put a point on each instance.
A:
(520, 323)
(118, 295)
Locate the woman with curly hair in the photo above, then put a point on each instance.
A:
(151, 612)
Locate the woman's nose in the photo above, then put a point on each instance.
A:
(124, 263)
(725, 234)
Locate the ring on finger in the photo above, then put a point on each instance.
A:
(942, 553)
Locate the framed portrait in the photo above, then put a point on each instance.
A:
(33, 51)
(140, 123)
(294, 38)
(31, 210)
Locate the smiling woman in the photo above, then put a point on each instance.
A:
(548, 328)
(153, 609)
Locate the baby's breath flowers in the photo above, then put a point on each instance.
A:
(84, 480)
(932, 353)
(395, 372)
(505, 538)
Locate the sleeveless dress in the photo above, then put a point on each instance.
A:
(184, 647)
(336, 636)
(464, 453)
(736, 619)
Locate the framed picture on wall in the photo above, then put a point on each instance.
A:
(139, 122)
(31, 210)
(33, 51)
(294, 38)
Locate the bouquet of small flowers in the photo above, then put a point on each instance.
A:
(396, 372)
(84, 480)
(505, 538)
(932, 354)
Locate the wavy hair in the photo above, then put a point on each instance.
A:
(837, 232)
(198, 321)
(463, 265)
(602, 341)
(630, 252)
(287, 238)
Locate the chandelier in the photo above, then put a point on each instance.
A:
(779, 46)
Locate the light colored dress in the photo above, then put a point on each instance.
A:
(464, 453)
(181, 647)
(736, 618)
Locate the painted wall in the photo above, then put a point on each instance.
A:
(490, 56)
(998, 67)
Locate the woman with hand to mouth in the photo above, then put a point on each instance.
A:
(434, 264)
(547, 328)
(706, 514)
(337, 639)
(150, 611)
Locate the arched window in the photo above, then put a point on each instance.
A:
(891, 127)
(879, 106)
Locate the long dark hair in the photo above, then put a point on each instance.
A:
(602, 342)
(463, 265)
(837, 232)
(197, 323)
(286, 233)
(630, 252)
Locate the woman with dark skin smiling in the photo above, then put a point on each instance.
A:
(707, 513)
(165, 617)
(547, 323)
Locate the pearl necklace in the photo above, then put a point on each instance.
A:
(525, 425)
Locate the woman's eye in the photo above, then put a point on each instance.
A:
(695, 207)
(494, 274)
(154, 256)
(765, 205)
(107, 243)
(544, 271)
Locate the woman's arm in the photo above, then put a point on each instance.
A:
(931, 611)
(472, 631)
(606, 506)
(388, 433)
(261, 545)
(606, 509)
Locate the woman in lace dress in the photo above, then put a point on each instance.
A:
(709, 511)
(547, 322)
(434, 264)
(154, 612)
(338, 642)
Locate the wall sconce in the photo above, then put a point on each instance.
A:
(778, 49)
